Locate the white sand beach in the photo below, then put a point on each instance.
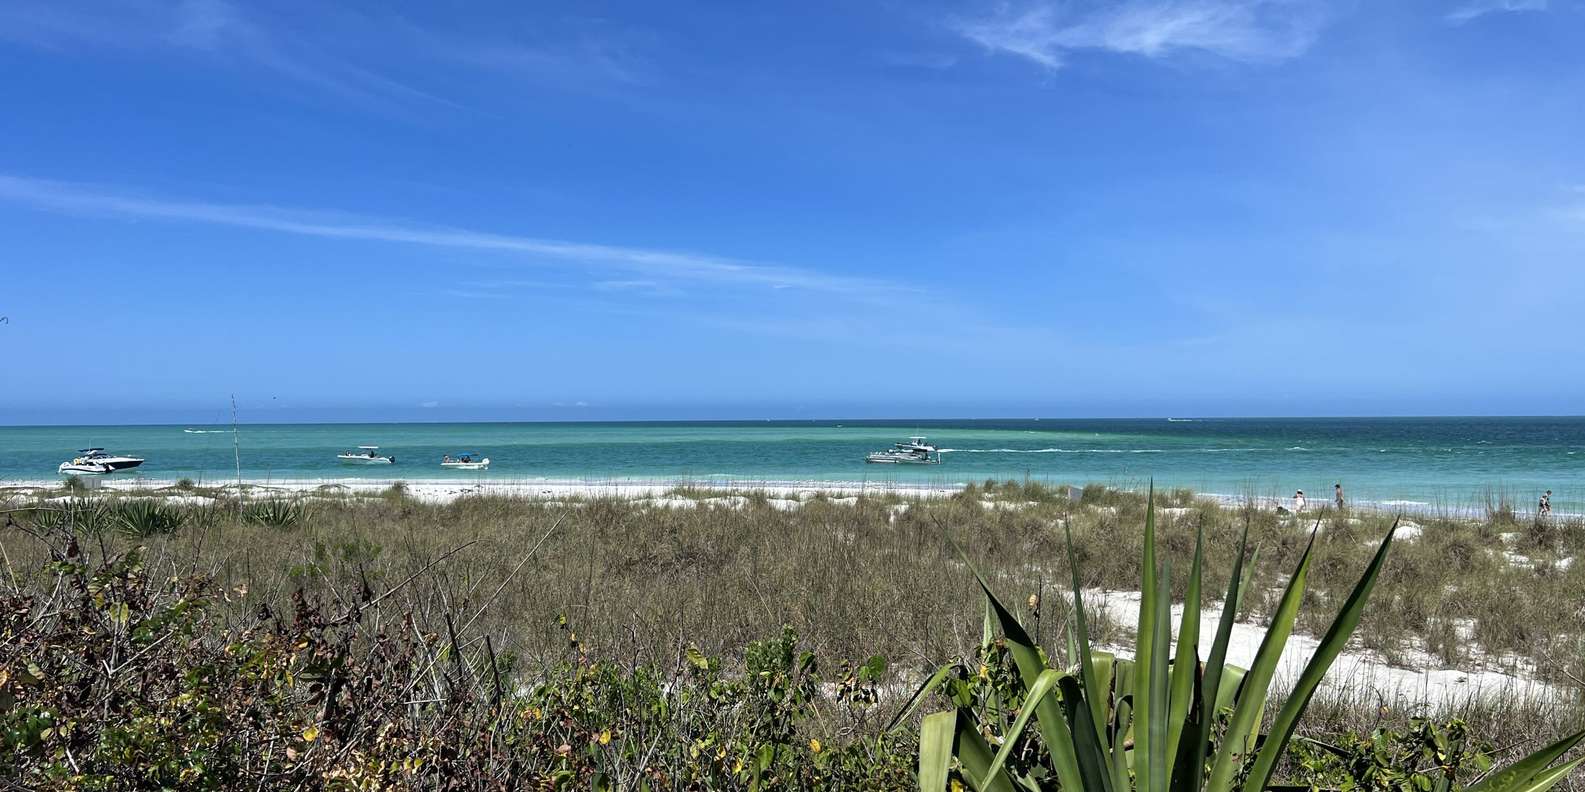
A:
(444, 490)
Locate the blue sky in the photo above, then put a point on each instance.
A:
(594, 210)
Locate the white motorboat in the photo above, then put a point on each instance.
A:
(95, 460)
(465, 462)
(366, 455)
(914, 452)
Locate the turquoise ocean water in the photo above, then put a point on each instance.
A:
(1435, 462)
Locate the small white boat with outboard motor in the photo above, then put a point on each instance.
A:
(95, 460)
(366, 455)
(465, 461)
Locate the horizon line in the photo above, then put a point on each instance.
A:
(902, 419)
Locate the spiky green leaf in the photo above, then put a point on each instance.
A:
(936, 733)
(1240, 735)
(931, 683)
(1516, 776)
(1330, 647)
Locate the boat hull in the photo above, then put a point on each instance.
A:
(480, 465)
(877, 460)
(100, 466)
(357, 460)
(914, 452)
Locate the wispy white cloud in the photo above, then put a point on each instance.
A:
(1048, 31)
(1478, 8)
(83, 199)
(217, 31)
(378, 60)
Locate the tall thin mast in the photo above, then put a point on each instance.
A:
(236, 449)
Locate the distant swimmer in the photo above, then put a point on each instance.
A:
(1545, 506)
(1337, 495)
(1298, 500)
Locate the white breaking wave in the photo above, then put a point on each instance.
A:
(207, 431)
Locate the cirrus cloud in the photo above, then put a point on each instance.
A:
(1048, 32)
(1478, 8)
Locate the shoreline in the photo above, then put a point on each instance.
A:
(444, 490)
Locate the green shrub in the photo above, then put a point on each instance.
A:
(1156, 722)
(120, 681)
(275, 512)
(86, 516)
(140, 518)
(1422, 757)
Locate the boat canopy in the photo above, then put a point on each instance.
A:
(370, 448)
(467, 454)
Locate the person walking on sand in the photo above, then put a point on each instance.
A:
(1337, 495)
(1298, 501)
(1545, 506)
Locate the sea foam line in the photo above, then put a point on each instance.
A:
(1106, 450)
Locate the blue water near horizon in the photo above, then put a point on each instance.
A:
(1436, 462)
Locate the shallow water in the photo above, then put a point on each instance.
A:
(1421, 462)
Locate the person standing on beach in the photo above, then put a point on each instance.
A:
(1337, 494)
(1545, 506)
(1298, 501)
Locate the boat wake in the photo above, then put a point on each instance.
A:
(1053, 451)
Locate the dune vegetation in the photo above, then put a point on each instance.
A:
(186, 639)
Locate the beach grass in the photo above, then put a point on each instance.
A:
(643, 579)
(866, 575)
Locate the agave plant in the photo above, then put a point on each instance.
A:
(275, 512)
(1114, 725)
(141, 518)
(84, 515)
